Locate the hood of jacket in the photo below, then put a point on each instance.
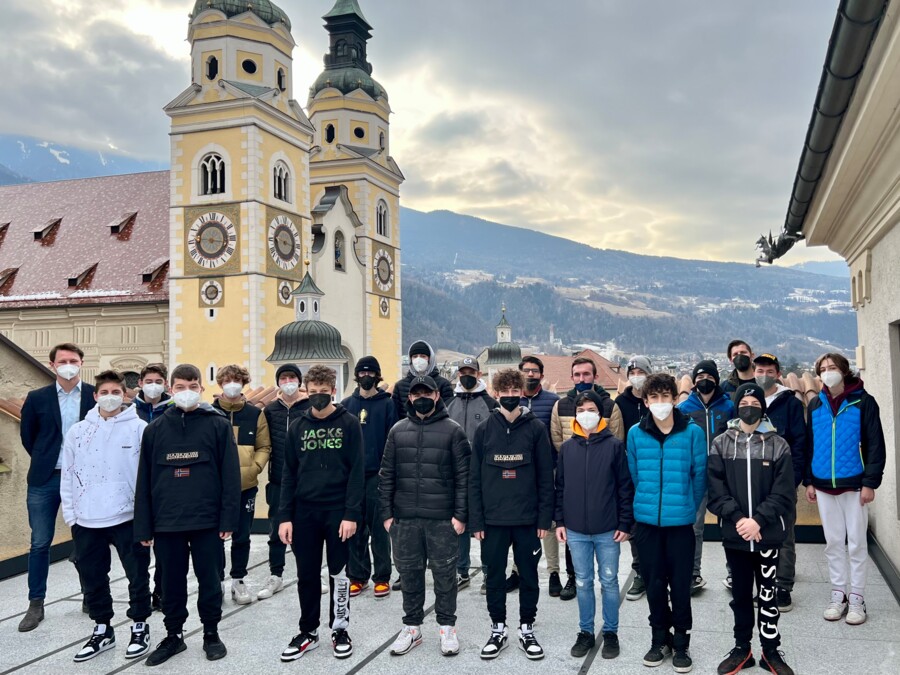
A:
(432, 362)
(440, 413)
(681, 423)
(765, 426)
(337, 412)
(229, 406)
(380, 394)
(163, 401)
(203, 408)
(125, 415)
(602, 430)
(631, 396)
(719, 399)
(480, 387)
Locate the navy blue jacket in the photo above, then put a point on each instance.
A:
(376, 417)
(785, 413)
(148, 412)
(541, 405)
(41, 429)
(712, 417)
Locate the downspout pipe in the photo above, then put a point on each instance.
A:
(852, 36)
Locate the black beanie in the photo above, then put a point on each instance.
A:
(750, 389)
(590, 395)
(420, 347)
(288, 368)
(709, 367)
(368, 363)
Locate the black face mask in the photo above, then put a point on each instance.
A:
(750, 414)
(468, 381)
(509, 403)
(705, 386)
(741, 362)
(366, 382)
(423, 405)
(532, 383)
(319, 401)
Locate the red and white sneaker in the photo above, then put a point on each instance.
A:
(302, 643)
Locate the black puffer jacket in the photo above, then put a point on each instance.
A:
(280, 418)
(425, 469)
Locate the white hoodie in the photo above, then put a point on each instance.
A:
(99, 469)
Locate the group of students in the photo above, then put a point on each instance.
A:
(417, 473)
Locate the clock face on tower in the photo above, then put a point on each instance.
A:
(383, 267)
(284, 242)
(212, 240)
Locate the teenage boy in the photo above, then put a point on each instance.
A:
(290, 403)
(100, 465)
(628, 409)
(424, 506)
(422, 363)
(152, 399)
(740, 355)
(751, 490)
(471, 405)
(321, 505)
(511, 504)
(594, 498)
(667, 461)
(377, 414)
(846, 451)
(47, 415)
(711, 409)
(187, 502)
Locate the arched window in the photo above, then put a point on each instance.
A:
(281, 180)
(329, 133)
(381, 219)
(212, 175)
(281, 79)
(212, 68)
(341, 48)
(339, 250)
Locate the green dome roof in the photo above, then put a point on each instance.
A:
(306, 341)
(264, 9)
(346, 80)
(504, 352)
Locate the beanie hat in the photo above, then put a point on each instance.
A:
(368, 363)
(590, 395)
(420, 347)
(288, 368)
(641, 362)
(707, 366)
(750, 389)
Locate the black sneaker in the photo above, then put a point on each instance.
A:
(568, 591)
(637, 590)
(697, 583)
(341, 644)
(610, 648)
(156, 601)
(772, 660)
(101, 639)
(165, 650)
(681, 661)
(512, 582)
(397, 585)
(140, 640)
(462, 580)
(736, 660)
(213, 647)
(657, 654)
(783, 598)
(583, 644)
(529, 644)
(555, 585)
(496, 643)
(302, 643)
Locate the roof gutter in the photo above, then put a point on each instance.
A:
(855, 28)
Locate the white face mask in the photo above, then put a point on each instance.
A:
(588, 420)
(232, 389)
(186, 399)
(419, 364)
(637, 381)
(110, 402)
(661, 411)
(68, 371)
(289, 388)
(153, 390)
(830, 378)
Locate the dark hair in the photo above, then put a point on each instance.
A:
(583, 359)
(837, 359)
(233, 372)
(508, 379)
(320, 375)
(736, 343)
(66, 347)
(532, 359)
(158, 368)
(659, 383)
(187, 372)
(109, 376)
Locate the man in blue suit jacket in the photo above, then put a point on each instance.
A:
(48, 413)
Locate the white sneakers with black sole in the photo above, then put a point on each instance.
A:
(496, 643)
(300, 645)
(103, 638)
(409, 638)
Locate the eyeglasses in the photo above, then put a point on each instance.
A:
(531, 371)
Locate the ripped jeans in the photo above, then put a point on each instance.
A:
(585, 547)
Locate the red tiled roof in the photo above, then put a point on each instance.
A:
(118, 223)
(558, 371)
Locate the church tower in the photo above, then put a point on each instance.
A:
(240, 204)
(350, 163)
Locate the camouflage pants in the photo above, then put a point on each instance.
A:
(418, 542)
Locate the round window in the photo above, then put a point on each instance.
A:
(359, 132)
(249, 66)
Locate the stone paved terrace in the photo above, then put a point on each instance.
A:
(256, 633)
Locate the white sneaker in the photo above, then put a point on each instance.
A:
(836, 608)
(325, 587)
(273, 585)
(857, 611)
(240, 593)
(410, 636)
(496, 643)
(140, 640)
(528, 642)
(101, 639)
(449, 641)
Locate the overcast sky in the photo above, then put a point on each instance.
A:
(666, 127)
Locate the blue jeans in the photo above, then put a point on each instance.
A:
(42, 503)
(584, 548)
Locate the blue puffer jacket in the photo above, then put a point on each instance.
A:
(541, 405)
(712, 418)
(668, 471)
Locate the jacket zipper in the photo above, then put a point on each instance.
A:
(749, 493)
(659, 512)
(833, 440)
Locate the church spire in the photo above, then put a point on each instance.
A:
(349, 32)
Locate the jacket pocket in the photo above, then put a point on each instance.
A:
(103, 501)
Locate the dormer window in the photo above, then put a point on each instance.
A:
(281, 179)
(212, 175)
(212, 68)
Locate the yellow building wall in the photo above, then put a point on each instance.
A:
(384, 337)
